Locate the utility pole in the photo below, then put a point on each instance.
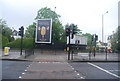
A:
(103, 26)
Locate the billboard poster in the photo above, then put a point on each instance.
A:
(43, 31)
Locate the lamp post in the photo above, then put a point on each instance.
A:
(103, 25)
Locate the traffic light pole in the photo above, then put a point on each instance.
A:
(21, 45)
(94, 47)
(21, 32)
(69, 48)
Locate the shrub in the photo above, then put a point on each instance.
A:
(27, 43)
(4, 41)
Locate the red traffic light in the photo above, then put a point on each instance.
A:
(67, 31)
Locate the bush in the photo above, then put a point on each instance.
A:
(27, 43)
(4, 41)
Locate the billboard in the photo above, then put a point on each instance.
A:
(43, 31)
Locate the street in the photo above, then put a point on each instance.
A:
(13, 69)
(59, 70)
(97, 70)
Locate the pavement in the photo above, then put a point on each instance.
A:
(15, 55)
(99, 57)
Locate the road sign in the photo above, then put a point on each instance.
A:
(43, 31)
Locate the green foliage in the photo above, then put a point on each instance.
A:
(4, 41)
(2, 25)
(118, 38)
(115, 40)
(58, 32)
(0, 40)
(27, 43)
(88, 35)
(5, 30)
(29, 33)
(47, 13)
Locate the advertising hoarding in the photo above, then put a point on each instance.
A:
(43, 31)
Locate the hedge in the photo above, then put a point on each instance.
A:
(4, 41)
(27, 43)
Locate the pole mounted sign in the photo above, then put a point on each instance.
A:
(43, 31)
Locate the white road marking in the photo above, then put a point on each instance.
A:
(78, 74)
(29, 65)
(25, 70)
(104, 70)
(82, 77)
(20, 77)
(114, 70)
(23, 73)
(73, 68)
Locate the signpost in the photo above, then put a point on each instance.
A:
(43, 31)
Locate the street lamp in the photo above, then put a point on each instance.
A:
(103, 25)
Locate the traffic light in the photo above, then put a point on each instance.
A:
(96, 37)
(67, 31)
(73, 30)
(92, 37)
(21, 31)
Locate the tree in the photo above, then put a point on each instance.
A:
(114, 41)
(58, 33)
(46, 13)
(88, 35)
(29, 33)
(5, 30)
(118, 38)
(2, 25)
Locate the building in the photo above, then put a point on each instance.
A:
(15, 34)
(101, 46)
(79, 41)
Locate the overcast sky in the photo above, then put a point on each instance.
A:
(87, 14)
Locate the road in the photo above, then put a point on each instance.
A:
(13, 69)
(97, 70)
(88, 70)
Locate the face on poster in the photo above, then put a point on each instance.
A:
(43, 31)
